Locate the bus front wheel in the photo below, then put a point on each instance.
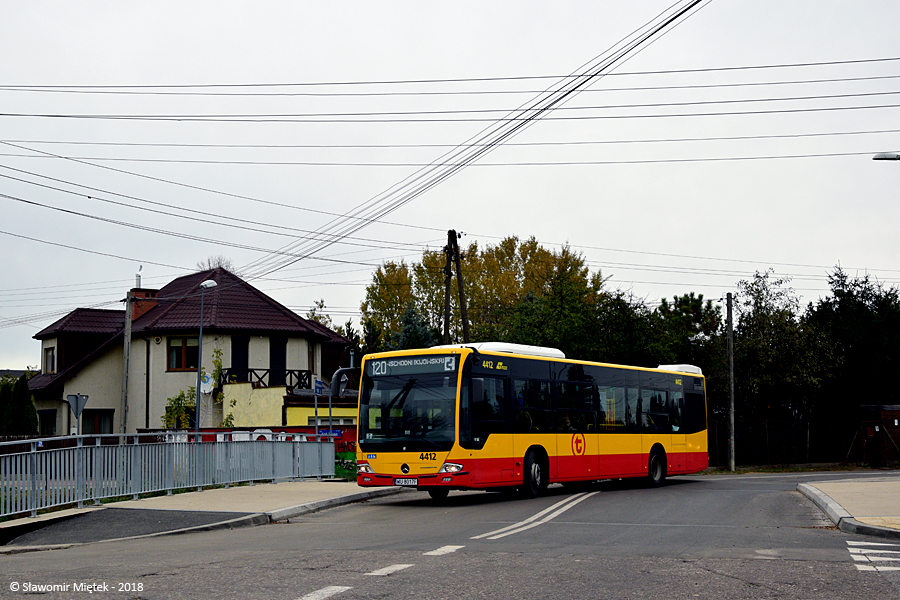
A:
(656, 468)
(534, 475)
(439, 494)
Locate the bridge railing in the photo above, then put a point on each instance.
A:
(34, 478)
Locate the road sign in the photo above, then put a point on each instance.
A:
(77, 402)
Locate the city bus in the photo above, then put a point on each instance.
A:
(496, 416)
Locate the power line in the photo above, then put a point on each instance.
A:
(209, 190)
(191, 217)
(356, 94)
(452, 164)
(455, 80)
(521, 113)
(434, 145)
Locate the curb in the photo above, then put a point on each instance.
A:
(250, 520)
(304, 509)
(840, 517)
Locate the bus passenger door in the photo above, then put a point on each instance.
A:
(490, 428)
(577, 446)
(678, 459)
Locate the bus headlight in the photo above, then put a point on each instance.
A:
(450, 468)
(364, 468)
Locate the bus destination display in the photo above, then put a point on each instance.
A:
(411, 365)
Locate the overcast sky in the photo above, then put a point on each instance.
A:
(740, 140)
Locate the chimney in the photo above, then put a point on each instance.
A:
(142, 301)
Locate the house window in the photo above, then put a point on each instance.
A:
(311, 356)
(96, 421)
(50, 360)
(183, 353)
(47, 421)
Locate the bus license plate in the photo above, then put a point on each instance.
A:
(411, 482)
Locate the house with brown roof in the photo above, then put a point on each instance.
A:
(267, 352)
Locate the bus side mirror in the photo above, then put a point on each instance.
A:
(341, 379)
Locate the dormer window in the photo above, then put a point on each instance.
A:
(182, 353)
(49, 360)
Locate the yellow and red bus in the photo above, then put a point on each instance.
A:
(494, 415)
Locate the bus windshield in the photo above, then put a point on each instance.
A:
(408, 404)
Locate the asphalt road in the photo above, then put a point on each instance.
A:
(699, 537)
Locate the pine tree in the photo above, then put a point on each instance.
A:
(21, 416)
(6, 389)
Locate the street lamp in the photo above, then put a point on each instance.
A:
(887, 156)
(209, 283)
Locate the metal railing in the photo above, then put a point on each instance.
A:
(97, 467)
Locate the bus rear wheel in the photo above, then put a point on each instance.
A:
(656, 469)
(534, 476)
(439, 494)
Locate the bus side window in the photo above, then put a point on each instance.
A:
(488, 409)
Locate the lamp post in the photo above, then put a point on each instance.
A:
(887, 156)
(209, 283)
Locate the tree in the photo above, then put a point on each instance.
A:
(347, 330)
(317, 313)
(215, 262)
(857, 332)
(179, 409)
(622, 330)
(414, 331)
(504, 285)
(767, 343)
(385, 304)
(21, 416)
(684, 328)
(6, 390)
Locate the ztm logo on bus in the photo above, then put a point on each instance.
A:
(578, 445)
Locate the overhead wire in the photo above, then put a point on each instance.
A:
(517, 114)
(437, 145)
(463, 79)
(421, 181)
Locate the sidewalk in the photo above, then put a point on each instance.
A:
(220, 508)
(863, 506)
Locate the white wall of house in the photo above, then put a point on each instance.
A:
(165, 384)
(101, 380)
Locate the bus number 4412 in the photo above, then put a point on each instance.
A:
(428, 456)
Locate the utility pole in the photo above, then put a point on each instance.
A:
(453, 256)
(730, 332)
(462, 292)
(126, 356)
(448, 275)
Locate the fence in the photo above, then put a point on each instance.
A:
(127, 465)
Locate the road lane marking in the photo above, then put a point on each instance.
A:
(326, 592)
(443, 550)
(849, 543)
(389, 570)
(529, 519)
(873, 554)
(542, 517)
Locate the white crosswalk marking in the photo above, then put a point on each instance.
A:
(325, 592)
(389, 570)
(443, 550)
(867, 554)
